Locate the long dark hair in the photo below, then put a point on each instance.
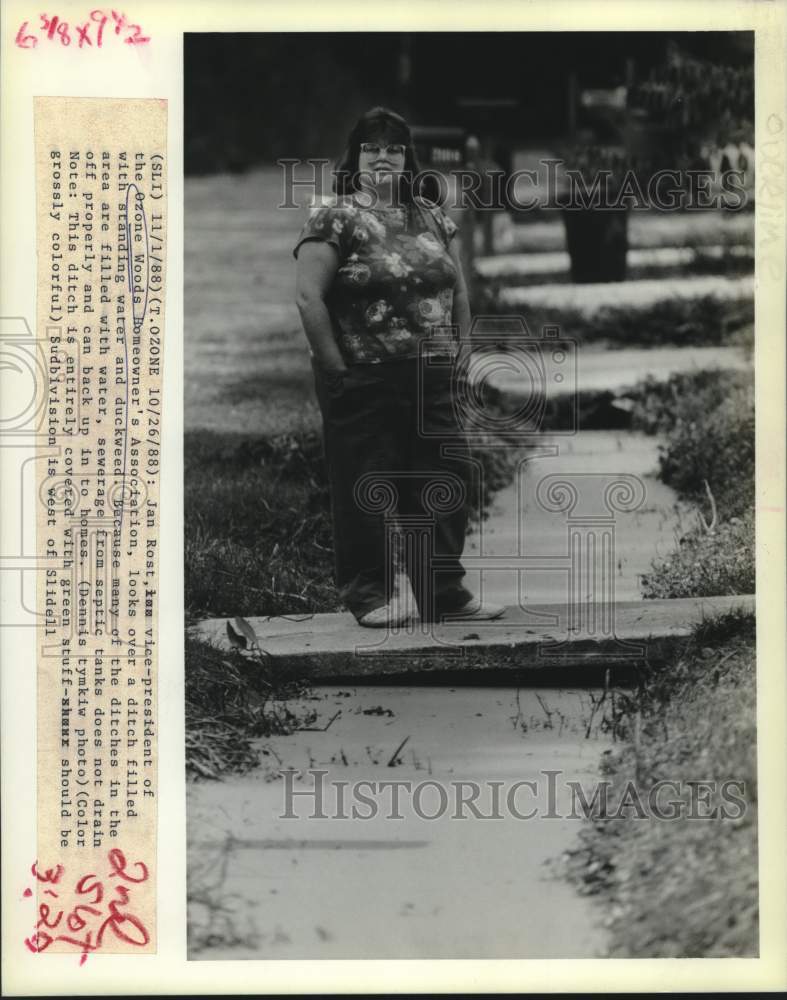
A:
(374, 124)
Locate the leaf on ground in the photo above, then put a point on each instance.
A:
(237, 641)
(242, 626)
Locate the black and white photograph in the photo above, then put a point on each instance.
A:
(469, 494)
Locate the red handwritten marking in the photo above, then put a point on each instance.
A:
(27, 892)
(137, 38)
(52, 875)
(115, 918)
(53, 28)
(76, 923)
(49, 25)
(102, 20)
(118, 861)
(43, 912)
(25, 41)
(82, 889)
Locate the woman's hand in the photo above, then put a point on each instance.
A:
(317, 266)
(461, 316)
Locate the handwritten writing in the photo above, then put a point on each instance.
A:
(91, 33)
(84, 915)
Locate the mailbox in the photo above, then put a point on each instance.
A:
(439, 147)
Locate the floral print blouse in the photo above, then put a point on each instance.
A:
(394, 287)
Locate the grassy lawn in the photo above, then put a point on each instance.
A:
(647, 229)
(247, 366)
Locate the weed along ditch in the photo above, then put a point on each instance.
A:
(463, 769)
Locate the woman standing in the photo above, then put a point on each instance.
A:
(380, 291)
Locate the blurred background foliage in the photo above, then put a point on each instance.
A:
(253, 98)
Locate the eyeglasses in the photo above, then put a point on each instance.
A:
(372, 149)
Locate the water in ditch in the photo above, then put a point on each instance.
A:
(427, 876)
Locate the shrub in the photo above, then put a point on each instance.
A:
(707, 420)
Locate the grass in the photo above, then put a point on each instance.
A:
(706, 420)
(706, 565)
(682, 888)
(522, 270)
(258, 537)
(648, 229)
(246, 359)
(703, 310)
(232, 702)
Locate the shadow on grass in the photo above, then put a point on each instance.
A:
(289, 387)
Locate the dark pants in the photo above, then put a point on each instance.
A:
(397, 462)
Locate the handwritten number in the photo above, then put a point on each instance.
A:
(52, 26)
(115, 919)
(49, 25)
(122, 894)
(120, 21)
(137, 38)
(82, 888)
(25, 41)
(40, 941)
(125, 927)
(102, 20)
(118, 861)
(43, 914)
(74, 922)
(84, 946)
(52, 875)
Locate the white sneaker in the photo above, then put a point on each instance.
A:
(475, 611)
(390, 615)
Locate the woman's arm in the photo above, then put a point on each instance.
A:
(317, 265)
(462, 316)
